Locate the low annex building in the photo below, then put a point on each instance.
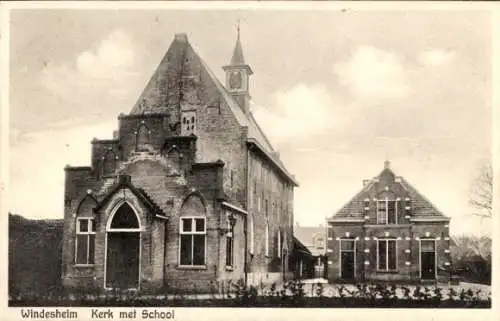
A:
(313, 238)
(388, 232)
(187, 195)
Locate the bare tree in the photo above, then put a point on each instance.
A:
(481, 191)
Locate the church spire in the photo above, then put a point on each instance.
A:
(238, 58)
(237, 75)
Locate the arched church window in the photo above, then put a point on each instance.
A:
(251, 233)
(124, 218)
(142, 138)
(192, 232)
(85, 232)
(109, 163)
(173, 162)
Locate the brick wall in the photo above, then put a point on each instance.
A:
(407, 235)
(266, 186)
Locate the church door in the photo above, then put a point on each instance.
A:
(123, 250)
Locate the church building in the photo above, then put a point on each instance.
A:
(388, 232)
(187, 195)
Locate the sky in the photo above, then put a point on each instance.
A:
(337, 93)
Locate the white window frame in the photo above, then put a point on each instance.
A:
(386, 201)
(353, 250)
(192, 233)
(91, 230)
(387, 254)
(420, 256)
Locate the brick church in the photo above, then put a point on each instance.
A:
(388, 232)
(187, 195)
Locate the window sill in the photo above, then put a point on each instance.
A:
(388, 225)
(387, 271)
(192, 267)
(83, 265)
(229, 268)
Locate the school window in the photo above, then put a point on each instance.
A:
(85, 238)
(192, 241)
(229, 243)
(386, 255)
(387, 212)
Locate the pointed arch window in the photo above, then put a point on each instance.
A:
(109, 163)
(278, 246)
(266, 244)
(85, 232)
(192, 232)
(251, 233)
(173, 162)
(85, 241)
(124, 218)
(142, 138)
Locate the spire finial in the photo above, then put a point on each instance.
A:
(238, 28)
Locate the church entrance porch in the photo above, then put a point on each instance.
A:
(123, 250)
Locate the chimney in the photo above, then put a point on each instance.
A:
(387, 164)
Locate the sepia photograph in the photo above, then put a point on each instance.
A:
(247, 157)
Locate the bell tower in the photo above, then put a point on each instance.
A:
(237, 76)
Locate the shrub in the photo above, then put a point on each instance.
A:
(292, 294)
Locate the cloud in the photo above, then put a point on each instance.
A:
(372, 73)
(114, 56)
(436, 57)
(101, 79)
(300, 111)
(37, 166)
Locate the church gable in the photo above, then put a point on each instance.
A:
(125, 186)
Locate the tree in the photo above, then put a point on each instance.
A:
(481, 192)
